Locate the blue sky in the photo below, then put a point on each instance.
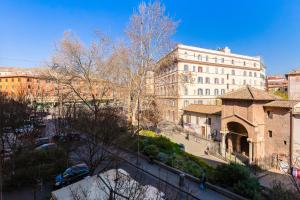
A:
(269, 28)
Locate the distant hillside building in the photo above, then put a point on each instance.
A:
(277, 83)
(192, 75)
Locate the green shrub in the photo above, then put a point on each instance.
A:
(163, 157)
(248, 188)
(230, 174)
(163, 143)
(151, 150)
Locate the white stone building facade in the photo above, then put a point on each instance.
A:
(198, 76)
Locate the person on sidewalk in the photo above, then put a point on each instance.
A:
(203, 181)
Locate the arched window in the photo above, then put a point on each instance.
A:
(200, 91)
(216, 92)
(216, 81)
(207, 92)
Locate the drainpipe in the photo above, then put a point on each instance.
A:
(206, 126)
(291, 137)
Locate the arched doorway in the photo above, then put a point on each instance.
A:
(236, 139)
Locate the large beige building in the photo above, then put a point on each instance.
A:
(192, 75)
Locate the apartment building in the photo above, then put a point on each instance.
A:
(17, 82)
(192, 75)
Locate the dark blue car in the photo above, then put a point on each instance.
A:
(72, 175)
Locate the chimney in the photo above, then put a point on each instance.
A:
(225, 50)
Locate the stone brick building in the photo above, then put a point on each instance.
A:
(294, 84)
(260, 127)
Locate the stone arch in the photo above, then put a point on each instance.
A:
(237, 138)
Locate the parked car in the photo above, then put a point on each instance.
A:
(72, 175)
(25, 129)
(41, 141)
(181, 146)
(47, 147)
(66, 137)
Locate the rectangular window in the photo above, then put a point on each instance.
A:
(233, 81)
(216, 70)
(185, 78)
(270, 115)
(233, 72)
(209, 121)
(222, 80)
(197, 120)
(186, 92)
(207, 80)
(194, 68)
(199, 69)
(188, 118)
(200, 80)
(270, 133)
(186, 103)
(186, 68)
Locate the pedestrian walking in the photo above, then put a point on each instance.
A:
(203, 181)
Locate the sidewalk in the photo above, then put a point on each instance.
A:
(195, 148)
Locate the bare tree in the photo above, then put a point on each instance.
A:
(149, 31)
(85, 72)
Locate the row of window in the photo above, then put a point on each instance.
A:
(200, 92)
(188, 120)
(19, 80)
(221, 81)
(220, 60)
(186, 68)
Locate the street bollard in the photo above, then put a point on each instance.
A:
(181, 179)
